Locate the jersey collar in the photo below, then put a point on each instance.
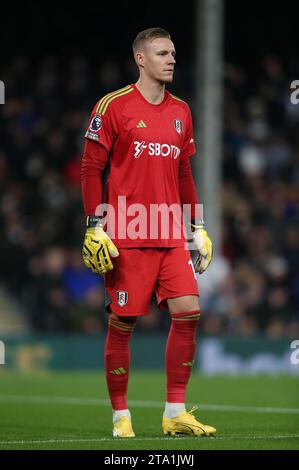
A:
(159, 106)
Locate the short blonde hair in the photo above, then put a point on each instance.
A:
(149, 35)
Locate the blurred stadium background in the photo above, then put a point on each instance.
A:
(57, 59)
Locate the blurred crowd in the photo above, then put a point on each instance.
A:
(252, 288)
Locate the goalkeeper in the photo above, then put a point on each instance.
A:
(146, 135)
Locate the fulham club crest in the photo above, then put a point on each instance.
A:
(178, 125)
(122, 297)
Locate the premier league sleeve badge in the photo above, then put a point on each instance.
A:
(94, 128)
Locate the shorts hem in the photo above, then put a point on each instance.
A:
(121, 313)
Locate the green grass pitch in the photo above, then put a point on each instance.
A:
(70, 410)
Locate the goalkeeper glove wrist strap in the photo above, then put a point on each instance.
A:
(198, 223)
(93, 221)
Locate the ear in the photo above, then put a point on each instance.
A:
(139, 58)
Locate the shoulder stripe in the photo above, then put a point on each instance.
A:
(114, 97)
(105, 101)
(176, 98)
(110, 94)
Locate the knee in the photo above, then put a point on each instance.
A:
(184, 304)
(130, 320)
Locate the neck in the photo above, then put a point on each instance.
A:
(152, 91)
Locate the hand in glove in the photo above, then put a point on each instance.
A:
(97, 247)
(204, 246)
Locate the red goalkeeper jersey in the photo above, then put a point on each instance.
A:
(145, 143)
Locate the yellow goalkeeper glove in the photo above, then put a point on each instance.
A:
(97, 247)
(204, 246)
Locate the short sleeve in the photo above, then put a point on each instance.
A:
(101, 127)
(188, 144)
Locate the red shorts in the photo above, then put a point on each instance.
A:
(139, 272)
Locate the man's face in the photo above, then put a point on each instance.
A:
(158, 59)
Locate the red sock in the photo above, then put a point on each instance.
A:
(180, 352)
(117, 361)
